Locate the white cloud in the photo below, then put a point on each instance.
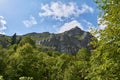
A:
(30, 22)
(2, 25)
(70, 25)
(89, 25)
(86, 8)
(102, 24)
(59, 10)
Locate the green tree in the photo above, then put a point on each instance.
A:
(19, 58)
(105, 58)
(77, 70)
(27, 39)
(26, 78)
(83, 54)
(2, 60)
(78, 67)
(1, 78)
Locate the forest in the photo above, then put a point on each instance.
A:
(24, 60)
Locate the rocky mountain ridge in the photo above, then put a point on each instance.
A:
(68, 42)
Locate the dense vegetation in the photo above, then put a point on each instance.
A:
(26, 60)
(23, 60)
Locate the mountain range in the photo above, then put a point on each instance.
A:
(67, 42)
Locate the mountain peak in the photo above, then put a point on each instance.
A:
(74, 31)
(68, 42)
(76, 27)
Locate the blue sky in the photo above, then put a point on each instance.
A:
(55, 16)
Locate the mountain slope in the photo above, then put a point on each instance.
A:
(69, 42)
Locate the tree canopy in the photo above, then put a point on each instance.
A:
(27, 61)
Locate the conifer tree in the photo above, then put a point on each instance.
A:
(13, 41)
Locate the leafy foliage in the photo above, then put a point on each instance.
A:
(105, 57)
(28, 61)
(35, 62)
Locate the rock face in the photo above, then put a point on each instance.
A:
(69, 42)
